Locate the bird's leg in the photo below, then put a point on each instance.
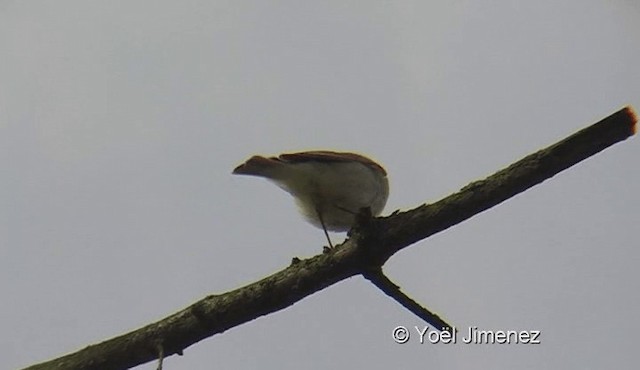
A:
(324, 227)
(345, 209)
(363, 214)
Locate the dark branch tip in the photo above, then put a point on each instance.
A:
(633, 119)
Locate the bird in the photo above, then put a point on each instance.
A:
(329, 187)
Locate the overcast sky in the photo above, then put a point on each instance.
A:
(120, 123)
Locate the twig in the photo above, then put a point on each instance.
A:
(379, 279)
(160, 356)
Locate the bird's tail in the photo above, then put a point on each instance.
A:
(259, 166)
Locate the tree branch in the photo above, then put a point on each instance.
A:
(380, 280)
(371, 244)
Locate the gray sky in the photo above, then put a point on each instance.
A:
(120, 122)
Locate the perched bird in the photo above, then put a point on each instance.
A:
(329, 187)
